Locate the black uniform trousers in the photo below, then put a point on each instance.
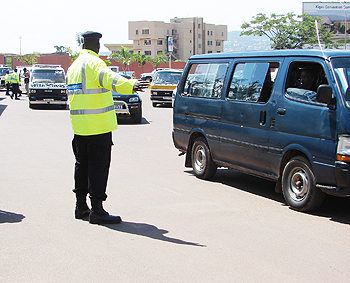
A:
(15, 90)
(92, 161)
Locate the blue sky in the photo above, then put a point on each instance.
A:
(39, 25)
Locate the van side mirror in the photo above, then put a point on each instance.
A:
(324, 94)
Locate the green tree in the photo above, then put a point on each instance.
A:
(124, 56)
(61, 50)
(160, 59)
(72, 54)
(289, 31)
(29, 59)
(142, 59)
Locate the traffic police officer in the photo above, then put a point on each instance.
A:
(7, 82)
(14, 79)
(93, 119)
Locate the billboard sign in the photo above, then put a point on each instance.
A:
(170, 44)
(8, 60)
(330, 12)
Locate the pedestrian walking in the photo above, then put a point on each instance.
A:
(7, 82)
(14, 78)
(93, 119)
(26, 79)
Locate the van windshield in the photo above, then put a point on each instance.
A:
(341, 68)
(48, 76)
(167, 78)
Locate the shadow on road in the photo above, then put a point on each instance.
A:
(2, 108)
(129, 121)
(147, 230)
(10, 217)
(334, 208)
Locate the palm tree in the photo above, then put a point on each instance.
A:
(124, 56)
(142, 59)
(160, 59)
(29, 59)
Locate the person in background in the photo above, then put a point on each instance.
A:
(93, 119)
(26, 79)
(7, 82)
(14, 78)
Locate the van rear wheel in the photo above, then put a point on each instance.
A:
(299, 185)
(202, 163)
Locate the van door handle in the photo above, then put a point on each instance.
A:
(262, 118)
(281, 111)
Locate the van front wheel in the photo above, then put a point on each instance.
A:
(202, 163)
(299, 185)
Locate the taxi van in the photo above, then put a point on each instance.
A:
(47, 86)
(282, 115)
(163, 84)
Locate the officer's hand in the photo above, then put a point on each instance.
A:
(140, 85)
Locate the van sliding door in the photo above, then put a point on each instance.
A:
(244, 129)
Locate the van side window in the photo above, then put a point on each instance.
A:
(303, 79)
(253, 82)
(205, 80)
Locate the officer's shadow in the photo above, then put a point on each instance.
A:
(10, 217)
(147, 230)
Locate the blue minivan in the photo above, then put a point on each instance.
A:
(282, 115)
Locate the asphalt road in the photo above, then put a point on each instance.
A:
(176, 228)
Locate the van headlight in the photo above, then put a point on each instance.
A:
(343, 149)
(133, 99)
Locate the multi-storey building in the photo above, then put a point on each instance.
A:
(190, 36)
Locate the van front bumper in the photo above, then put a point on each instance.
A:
(342, 175)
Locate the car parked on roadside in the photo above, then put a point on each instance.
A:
(149, 76)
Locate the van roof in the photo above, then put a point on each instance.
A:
(327, 53)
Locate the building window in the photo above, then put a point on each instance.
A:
(199, 45)
(148, 53)
(210, 32)
(190, 41)
(147, 42)
(159, 42)
(210, 51)
(218, 43)
(190, 31)
(199, 25)
(210, 42)
(138, 42)
(137, 32)
(145, 31)
(199, 35)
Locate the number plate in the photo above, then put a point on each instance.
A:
(48, 99)
(119, 106)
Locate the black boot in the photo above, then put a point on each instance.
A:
(99, 216)
(81, 209)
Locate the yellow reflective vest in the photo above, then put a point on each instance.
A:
(14, 78)
(7, 79)
(90, 100)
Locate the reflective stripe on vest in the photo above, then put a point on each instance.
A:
(92, 111)
(75, 89)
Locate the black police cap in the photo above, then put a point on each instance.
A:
(91, 35)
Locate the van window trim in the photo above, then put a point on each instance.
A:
(182, 83)
(237, 61)
(314, 60)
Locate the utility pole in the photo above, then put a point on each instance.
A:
(20, 45)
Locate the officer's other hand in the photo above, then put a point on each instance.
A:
(140, 85)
